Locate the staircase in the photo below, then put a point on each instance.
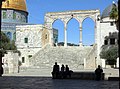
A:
(73, 56)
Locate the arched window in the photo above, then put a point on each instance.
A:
(112, 41)
(4, 15)
(9, 34)
(26, 40)
(23, 59)
(14, 15)
(7, 3)
(105, 42)
(46, 36)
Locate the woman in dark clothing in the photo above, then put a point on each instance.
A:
(67, 72)
(63, 71)
(1, 71)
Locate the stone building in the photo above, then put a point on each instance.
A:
(30, 39)
(108, 26)
(14, 12)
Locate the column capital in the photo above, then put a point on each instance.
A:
(80, 28)
(95, 26)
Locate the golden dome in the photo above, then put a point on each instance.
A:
(15, 4)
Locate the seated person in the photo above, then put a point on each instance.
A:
(98, 73)
(67, 72)
(62, 71)
(55, 72)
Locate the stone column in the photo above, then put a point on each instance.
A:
(65, 36)
(80, 43)
(96, 34)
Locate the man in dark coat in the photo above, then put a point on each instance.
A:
(98, 73)
(56, 70)
(1, 71)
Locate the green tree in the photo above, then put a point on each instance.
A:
(114, 15)
(110, 54)
(6, 44)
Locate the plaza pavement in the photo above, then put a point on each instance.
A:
(34, 82)
(37, 80)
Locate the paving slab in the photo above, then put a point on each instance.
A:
(34, 82)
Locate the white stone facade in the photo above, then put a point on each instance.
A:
(32, 33)
(117, 64)
(26, 54)
(106, 28)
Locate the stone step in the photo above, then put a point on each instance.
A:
(72, 56)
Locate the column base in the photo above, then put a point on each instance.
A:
(65, 45)
(80, 44)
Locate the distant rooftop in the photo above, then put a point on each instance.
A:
(107, 10)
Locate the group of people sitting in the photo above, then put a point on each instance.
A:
(66, 73)
(63, 73)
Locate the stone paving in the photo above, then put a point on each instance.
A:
(34, 82)
(33, 79)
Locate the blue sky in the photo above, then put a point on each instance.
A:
(38, 8)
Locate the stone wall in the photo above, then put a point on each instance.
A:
(32, 33)
(10, 61)
(91, 58)
(106, 28)
(27, 53)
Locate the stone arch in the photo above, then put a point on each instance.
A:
(73, 27)
(89, 31)
(56, 20)
(88, 17)
(58, 24)
(73, 18)
(80, 15)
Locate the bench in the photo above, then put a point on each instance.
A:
(85, 75)
(113, 78)
(82, 75)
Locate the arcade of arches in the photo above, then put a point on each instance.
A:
(80, 16)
